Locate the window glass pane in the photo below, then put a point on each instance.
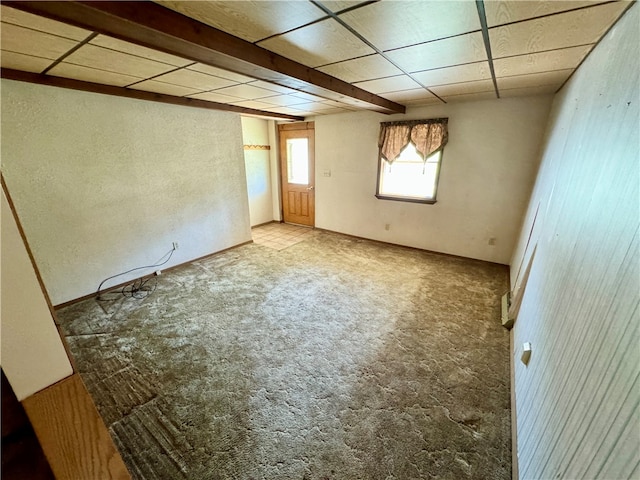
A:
(409, 176)
(298, 161)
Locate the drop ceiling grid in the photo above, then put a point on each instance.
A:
(540, 53)
(192, 79)
(505, 12)
(520, 12)
(318, 44)
(27, 63)
(93, 56)
(117, 45)
(393, 25)
(541, 61)
(86, 74)
(562, 30)
(250, 20)
(369, 67)
(444, 32)
(535, 45)
(33, 22)
(108, 60)
(404, 18)
(34, 43)
(164, 88)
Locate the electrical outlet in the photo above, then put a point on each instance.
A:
(175, 245)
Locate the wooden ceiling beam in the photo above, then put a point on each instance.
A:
(157, 27)
(72, 84)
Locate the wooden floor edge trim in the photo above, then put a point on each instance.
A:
(72, 434)
(514, 424)
(382, 242)
(120, 285)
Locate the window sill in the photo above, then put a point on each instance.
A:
(406, 199)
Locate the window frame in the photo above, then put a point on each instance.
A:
(429, 201)
(400, 198)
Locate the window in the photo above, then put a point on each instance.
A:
(298, 161)
(409, 159)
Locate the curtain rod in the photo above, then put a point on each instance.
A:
(416, 122)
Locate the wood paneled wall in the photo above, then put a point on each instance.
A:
(578, 400)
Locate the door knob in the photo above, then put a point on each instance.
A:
(310, 188)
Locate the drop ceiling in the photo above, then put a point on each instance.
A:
(296, 59)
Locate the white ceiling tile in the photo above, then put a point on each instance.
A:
(389, 84)
(500, 11)
(408, 95)
(139, 51)
(363, 68)
(580, 27)
(460, 73)
(87, 74)
(219, 72)
(331, 111)
(35, 43)
(197, 80)
(303, 114)
(314, 107)
(351, 102)
(249, 20)
(318, 44)
(161, 87)
(540, 62)
(478, 86)
(254, 104)
(26, 63)
(442, 53)
(528, 91)
(285, 110)
(337, 104)
(285, 100)
(469, 97)
(34, 22)
(247, 92)
(308, 97)
(423, 101)
(556, 78)
(271, 86)
(337, 5)
(112, 61)
(389, 25)
(215, 97)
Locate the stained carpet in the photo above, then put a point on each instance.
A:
(335, 358)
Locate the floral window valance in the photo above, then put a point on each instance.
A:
(428, 136)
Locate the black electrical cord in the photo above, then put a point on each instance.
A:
(140, 288)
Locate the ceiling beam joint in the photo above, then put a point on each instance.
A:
(72, 84)
(157, 27)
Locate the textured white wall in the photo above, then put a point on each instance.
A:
(275, 171)
(255, 131)
(578, 401)
(33, 356)
(487, 172)
(103, 184)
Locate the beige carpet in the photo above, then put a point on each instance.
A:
(335, 358)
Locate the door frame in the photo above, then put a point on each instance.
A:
(308, 127)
